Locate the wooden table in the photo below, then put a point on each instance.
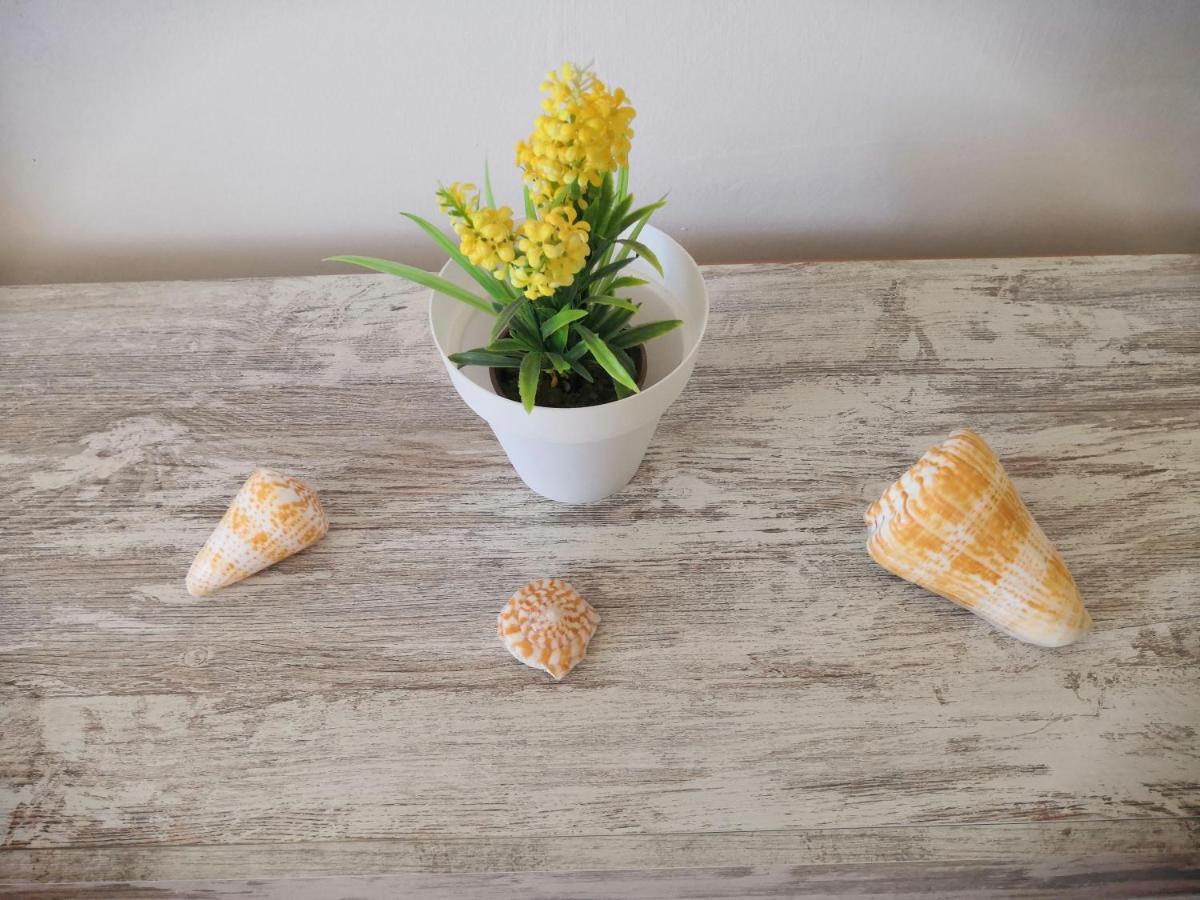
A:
(764, 711)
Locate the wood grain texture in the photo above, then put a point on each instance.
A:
(760, 701)
(1094, 878)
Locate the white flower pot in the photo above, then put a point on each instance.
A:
(585, 454)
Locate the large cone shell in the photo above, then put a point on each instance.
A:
(955, 524)
(273, 516)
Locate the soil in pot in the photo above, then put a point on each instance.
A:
(571, 390)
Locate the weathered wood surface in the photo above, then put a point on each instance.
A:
(1094, 878)
(763, 707)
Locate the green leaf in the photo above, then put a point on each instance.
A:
(558, 340)
(625, 359)
(419, 276)
(507, 345)
(640, 213)
(639, 334)
(579, 351)
(487, 186)
(598, 249)
(627, 281)
(581, 370)
(484, 358)
(560, 363)
(618, 302)
(597, 316)
(598, 205)
(623, 182)
(505, 316)
(530, 210)
(627, 362)
(523, 330)
(531, 325)
(644, 252)
(612, 322)
(561, 319)
(608, 361)
(644, 213)
(483, 278)
(527, 379)
(610, 226)
(604, 271)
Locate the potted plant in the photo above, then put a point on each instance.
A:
(571, 332)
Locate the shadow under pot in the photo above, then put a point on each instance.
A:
(571, 391)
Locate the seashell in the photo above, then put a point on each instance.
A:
(547, 625)
(272, 517)
(955, 524)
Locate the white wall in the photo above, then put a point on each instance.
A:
(148, 139)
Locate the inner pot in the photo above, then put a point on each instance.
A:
(504, 381)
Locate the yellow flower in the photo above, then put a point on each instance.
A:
(583, 133)
(553, 250)
(487, 239)
(454, 200)
(486, 236)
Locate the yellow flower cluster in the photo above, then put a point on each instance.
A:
(553, 249)
(486, 236)
(583, 133)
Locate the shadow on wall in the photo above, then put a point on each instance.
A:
(1062, 238)
(1037, 195)
(192, 260)
(1048, 236)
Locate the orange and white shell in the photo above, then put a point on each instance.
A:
(272, 517)
(547, 625)
(955, 524)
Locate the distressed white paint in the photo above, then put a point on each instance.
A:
(760, 696)
(146, 139)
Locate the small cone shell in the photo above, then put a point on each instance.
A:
(955, 525)
(272, 517)
(547, 625)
